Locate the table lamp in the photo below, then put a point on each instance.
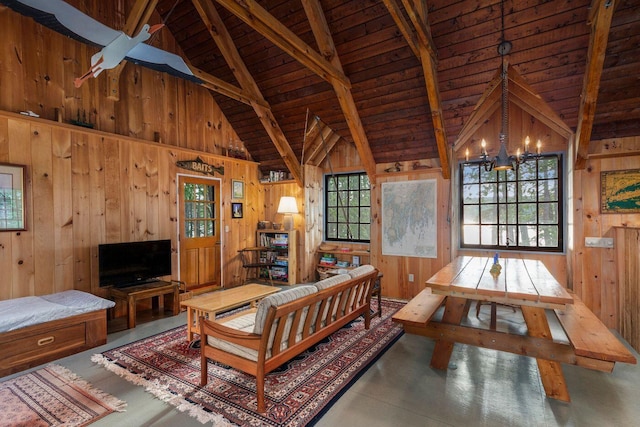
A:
(288, 207)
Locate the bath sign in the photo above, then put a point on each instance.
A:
(198, 165)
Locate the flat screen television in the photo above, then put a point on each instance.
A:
(133, 263)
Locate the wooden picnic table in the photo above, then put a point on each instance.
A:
(528, 285)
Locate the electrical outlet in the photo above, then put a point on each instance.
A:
(411, 277)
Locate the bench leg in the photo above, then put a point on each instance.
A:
(454, 310)
(551, 373)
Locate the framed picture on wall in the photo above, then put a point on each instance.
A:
(620, 191)
(236, 210)
(12, 197)
(237, 189)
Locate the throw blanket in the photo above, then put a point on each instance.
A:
(26, 311)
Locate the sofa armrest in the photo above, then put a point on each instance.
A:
(217, 330)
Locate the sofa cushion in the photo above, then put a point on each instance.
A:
(332, 281)
(361, 271)
(279, 299)
(242, 323)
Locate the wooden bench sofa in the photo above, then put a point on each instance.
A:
(296, 318)
(38, 329)
(591, 344)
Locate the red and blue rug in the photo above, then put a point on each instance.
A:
(297, 393)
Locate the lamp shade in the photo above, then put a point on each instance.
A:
(288, 205)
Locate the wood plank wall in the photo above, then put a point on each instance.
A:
(395, 269)
(595, 269)
(38, 66)
(627, 242)
(87, 187)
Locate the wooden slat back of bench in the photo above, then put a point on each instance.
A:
(589, 336)
(420, 309)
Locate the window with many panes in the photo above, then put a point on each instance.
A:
(347, 207)
(199, 210)
(518, 209)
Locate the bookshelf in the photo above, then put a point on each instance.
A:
(280, 255)
(340, 258)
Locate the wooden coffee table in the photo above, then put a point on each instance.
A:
(210, 304)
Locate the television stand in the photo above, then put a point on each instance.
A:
(130, 296)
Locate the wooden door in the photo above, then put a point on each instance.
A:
(199, 234)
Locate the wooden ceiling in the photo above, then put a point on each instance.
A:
(411, 84)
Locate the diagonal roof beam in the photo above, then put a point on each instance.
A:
(403, 25)
(600, 16)
(417, 11)
(263, 22)
(139, 15)
(220, 86)
(223, 39)
(325, 43)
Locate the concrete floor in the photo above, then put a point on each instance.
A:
(481, 388)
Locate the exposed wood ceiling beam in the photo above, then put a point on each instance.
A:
(403, 25)
(323, 37)
(522, 95)
(319, 143)
(223, 39)
(417, 11)
(328, 144)
(264, 23)
(217, 85)
(139, 15)
(600, 16)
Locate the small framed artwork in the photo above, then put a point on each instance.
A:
(620, 191)
(236, 210)
(12, 197)
(237, 189)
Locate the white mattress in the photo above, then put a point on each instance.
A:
(26, 311)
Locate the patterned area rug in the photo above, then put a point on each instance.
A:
(297, 393)
(53, 396)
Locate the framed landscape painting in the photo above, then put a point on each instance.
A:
(620, 191)
(237, 189)
(12, 197)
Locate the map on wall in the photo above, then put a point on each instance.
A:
(409, 218)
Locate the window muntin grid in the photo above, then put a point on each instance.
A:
(199, 210)
(515, 209)
(347, 208)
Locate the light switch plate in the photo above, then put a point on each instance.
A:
(598, 242)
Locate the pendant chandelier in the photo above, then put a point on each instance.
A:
(504, 161)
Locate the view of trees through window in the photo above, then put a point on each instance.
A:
(199, 210)
(516, 209)
(347, 209)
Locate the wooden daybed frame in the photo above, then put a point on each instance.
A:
(44, 342)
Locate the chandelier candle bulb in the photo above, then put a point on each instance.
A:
(539, 146)
(466, 155)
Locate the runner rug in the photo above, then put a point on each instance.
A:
(53, 396)
(297, 393)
